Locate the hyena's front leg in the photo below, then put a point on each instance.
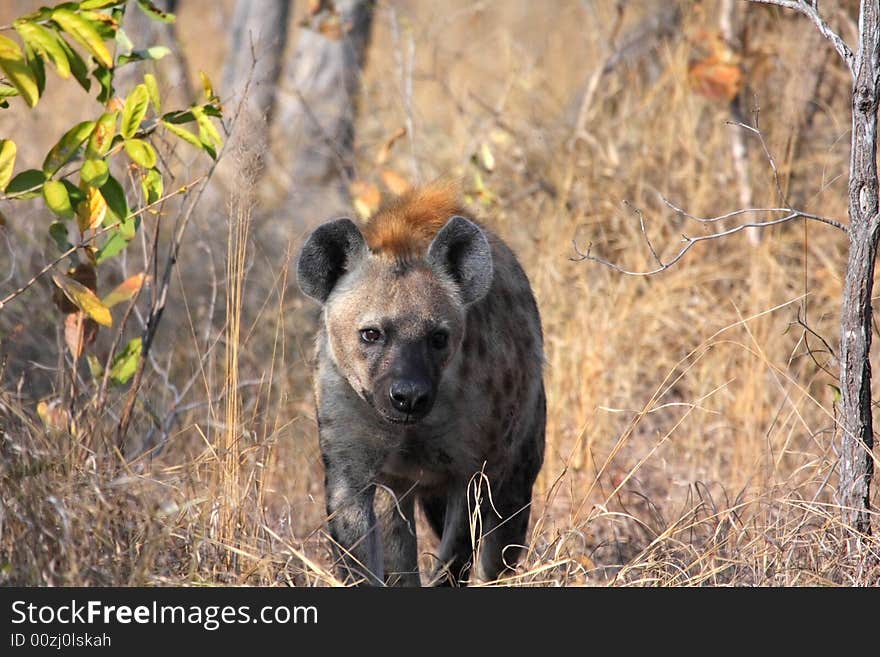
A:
(395, 508)
(353, 527)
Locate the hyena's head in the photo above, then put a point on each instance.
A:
(394, 321)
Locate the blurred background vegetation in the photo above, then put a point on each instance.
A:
(691, 415)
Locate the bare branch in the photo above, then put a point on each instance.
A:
(788, 211)
(689, 244)
(811, 11)
(644, 231)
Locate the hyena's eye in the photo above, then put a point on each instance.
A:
(439, 339)
(371, 335)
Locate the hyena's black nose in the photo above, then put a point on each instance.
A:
(409, 396)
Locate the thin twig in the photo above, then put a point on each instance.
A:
(689, 244)
(811, 11)
(798, 213)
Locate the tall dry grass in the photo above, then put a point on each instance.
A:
(691, 428)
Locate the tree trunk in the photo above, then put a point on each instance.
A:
(256, 48)
(856, 459)
(254, 58)
(312, 133)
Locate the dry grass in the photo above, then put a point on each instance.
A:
(691, 422)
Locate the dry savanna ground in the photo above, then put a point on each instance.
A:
(691, 435)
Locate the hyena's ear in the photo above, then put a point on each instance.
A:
(462, 250)
(332, 249)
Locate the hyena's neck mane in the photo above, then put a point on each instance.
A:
(404, 228)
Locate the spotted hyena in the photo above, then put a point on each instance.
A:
(428, 385)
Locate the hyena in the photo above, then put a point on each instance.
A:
(428, 384)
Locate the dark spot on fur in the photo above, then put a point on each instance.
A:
(507, 381)
(481, 347)
(467, 346)
(507, 298)
(444, 457)
(464, 370)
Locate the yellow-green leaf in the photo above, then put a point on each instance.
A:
(152, 186)
(46, 43)
(85, 32)
(208, 133)
(94, 172)
(183, 133)
(7, 161)
(102, 135)
(125, 290)
(57, 199)
(14, 65)
(153, 90)
(92, 210)
(125, 364)
(99, 4)
(154, 12)
(141, 153)
(67, 147)
(134, 111)
(84, 299)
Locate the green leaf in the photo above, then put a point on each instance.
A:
(14, 65)
(115, 196)
(57, 200)
(153, 90)
(7, 161)
(141, 153)
(94, 172)
(154, 12)
(66, 148)
(27, 184)
(181, 116)
(46, 43)
(76, 195)
(85, 32)
(154, 53)
(58, 232)
(77, 65)
(152, 186)
(135, 109)
(102, 135)
(105, 24)
(183, 133)
(113, 246)
(104, 76)
(38, 68)
(125, 364)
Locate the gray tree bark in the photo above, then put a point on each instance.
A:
(856, 458)
(254, 58)
(311, 160)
